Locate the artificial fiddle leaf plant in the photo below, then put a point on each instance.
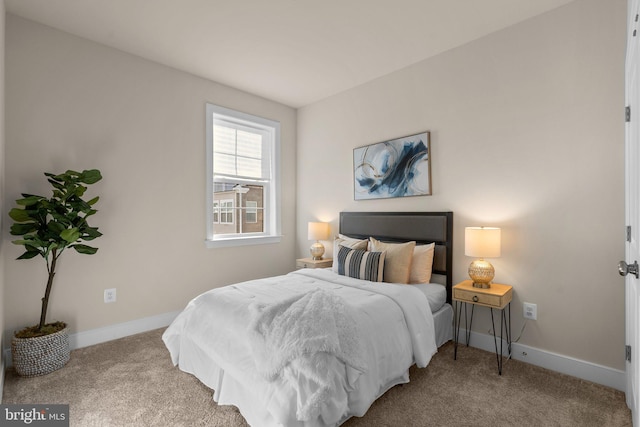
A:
(48, 226)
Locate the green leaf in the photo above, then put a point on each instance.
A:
(62, 219)
(29, 255)
(79, 205)
(56, 184)
(90, 176)
(36, 240)
(91, 233)
(20, 215)
(93, 201)
(32, 247)
(55, 227)
(70, 235)
(29, 200)
(79, 190)
(84, 249)
(22, 229)
(27, 243)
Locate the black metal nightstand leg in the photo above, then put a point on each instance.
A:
(505, 329)
(470, 322)
(457, 317)
(506, 320)
(495, 341)
(456, 328)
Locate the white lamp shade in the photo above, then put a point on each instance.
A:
(318, 231)
(482, 242)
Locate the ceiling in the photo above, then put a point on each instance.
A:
(292, 51)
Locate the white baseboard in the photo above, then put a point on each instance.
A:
(112, 332)
(582, 369)
(120, 330)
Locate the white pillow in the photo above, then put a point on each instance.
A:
(422, 263)
(360, 264)
(349, 243)
(398, 260)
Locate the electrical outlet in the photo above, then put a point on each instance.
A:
(530, 311)
(110, 295)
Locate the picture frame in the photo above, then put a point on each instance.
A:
(399, 167)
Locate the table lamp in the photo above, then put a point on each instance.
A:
(481, 242)
(318, 231)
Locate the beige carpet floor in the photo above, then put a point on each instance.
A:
(131, 382)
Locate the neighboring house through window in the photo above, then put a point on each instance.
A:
(226, 211)
(242, 178)
(252, 212)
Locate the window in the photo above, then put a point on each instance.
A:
(226, 212)
(252, 212)
(242, 178)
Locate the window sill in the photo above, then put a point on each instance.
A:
(242, 241)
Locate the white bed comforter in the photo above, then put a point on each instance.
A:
(215, 337)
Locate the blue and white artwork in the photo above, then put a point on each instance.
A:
(396, 168)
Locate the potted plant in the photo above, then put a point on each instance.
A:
(48, 226)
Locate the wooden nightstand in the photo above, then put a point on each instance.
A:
(496, 297)
(313, 263)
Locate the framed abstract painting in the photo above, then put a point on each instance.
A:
(397, 168)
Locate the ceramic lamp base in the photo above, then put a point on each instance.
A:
(481, 272)
(317, 250)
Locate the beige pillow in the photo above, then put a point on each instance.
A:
(422, 263)
(349, 243)
(398, 260)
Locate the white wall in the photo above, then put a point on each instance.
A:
(528, 135)
(75, 104)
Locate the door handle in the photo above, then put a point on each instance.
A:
(624, 269)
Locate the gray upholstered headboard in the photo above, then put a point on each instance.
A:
(423, 227)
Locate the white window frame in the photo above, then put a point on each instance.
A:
(271, 201)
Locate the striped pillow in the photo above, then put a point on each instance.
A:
(361, 264)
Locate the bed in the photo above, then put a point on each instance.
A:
(318, 346)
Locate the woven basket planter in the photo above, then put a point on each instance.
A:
(40, 355)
